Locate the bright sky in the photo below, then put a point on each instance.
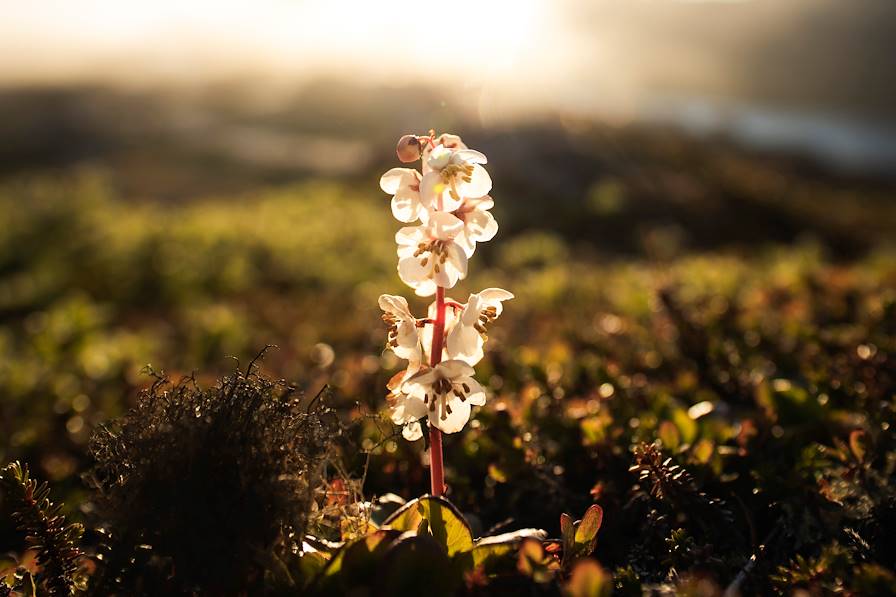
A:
(469, 39)
(601, 56)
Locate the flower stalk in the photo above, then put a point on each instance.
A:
(436, 466)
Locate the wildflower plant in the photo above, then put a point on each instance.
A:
(447, 204)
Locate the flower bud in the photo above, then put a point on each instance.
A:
(408, 149)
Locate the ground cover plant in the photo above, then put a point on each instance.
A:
(684, 415)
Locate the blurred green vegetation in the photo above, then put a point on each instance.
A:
(766, 369)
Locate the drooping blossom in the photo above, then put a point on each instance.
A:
(428, 256)
(403, 337)
(445, 394)
(404, 410)
(479, 223)
(404, 186)
(452, 174)
(466, 338)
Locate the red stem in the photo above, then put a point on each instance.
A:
(436, 468)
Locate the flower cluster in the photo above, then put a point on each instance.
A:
(447, 201)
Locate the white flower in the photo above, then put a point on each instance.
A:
(467, 336)
(446, 392)
(404, 186)
(404, 335)
(403, 409)
(428, 257)
(412, 431)
(479, 223)
(448, 140)
(452, 174)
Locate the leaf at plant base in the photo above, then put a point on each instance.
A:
(532, 561)
(494, 554)
(586, 532)
(444, 522)
(304, 569)
(384, 507)
(588, 579)
(358, 560)
(415, 563)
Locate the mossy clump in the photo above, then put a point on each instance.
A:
(202, 484)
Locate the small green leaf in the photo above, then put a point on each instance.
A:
(567, 526)
(686, 425)
(586, 532)
(704, 450)
(360, 553)
(437, 516)
(412, 563)
(588, 579)
(492, 553)
(668, 434)
(568, 533)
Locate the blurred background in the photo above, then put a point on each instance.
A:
(697, 200)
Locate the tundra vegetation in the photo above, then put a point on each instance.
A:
(691, 392)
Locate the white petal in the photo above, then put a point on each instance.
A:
(412, 431)
(465, 343)
(454, 422)
(431, 189)
(444, 226)
(396, 305)
(411, 272)
(407, 208)
(453, 368)
(421, 383)
(469, 155)
(408, 341)
(484, 203)
(493, 297)
(476, 395)
(479, 185)
(470, 314)
(391, 180)
(468, 245)
(408, 408)
(457, 259)
(439, 157)
(410, 235)
(427, 287)
(449, 203)
(481, 225)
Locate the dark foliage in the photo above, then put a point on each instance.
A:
(199, 485)
(46, 531)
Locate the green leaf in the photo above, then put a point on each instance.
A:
(414, 563)
(439, 517)
(568, 533)
(668, 434)
(360, 555)
(497, 553)
(586, 532)
(686, 425)
(588, 579)
(704, 450)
